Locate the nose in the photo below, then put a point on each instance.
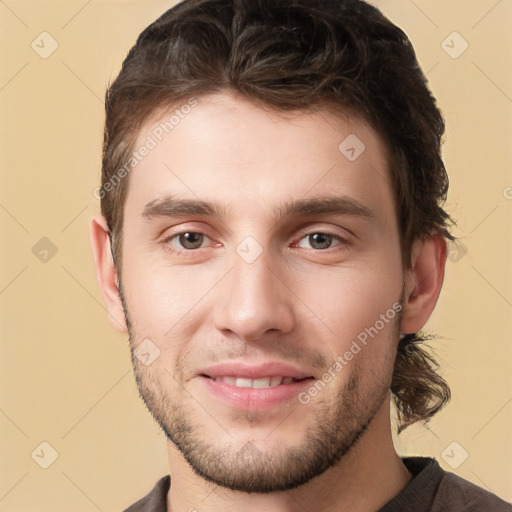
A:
(254, 301)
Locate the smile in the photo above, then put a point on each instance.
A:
(264, 382)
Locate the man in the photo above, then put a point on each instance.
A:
(272, 238)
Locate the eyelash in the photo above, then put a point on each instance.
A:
(167, 241)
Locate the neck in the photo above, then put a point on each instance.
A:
(365, 479)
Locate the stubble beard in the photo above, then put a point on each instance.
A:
(331, 431)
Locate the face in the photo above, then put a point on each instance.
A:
(262, 285)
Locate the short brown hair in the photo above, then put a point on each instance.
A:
(293, 55)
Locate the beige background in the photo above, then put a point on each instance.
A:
(65, 375)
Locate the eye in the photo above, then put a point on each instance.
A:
(321, 241)
(188, 240)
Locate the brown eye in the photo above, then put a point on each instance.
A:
(320, 240)
(191, 240)
(187, 243)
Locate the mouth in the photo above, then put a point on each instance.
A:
(254, 388)
(261, 383)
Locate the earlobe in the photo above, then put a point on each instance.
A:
(106, 273)
(423, 282)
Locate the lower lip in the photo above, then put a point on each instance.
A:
(254, 399)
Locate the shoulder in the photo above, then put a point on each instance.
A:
(460, 494)
(155, 500)
(432, 489)
(449, 491)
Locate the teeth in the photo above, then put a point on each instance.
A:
(261, 383)
(265, 382)
(276, 381)
(243, 383)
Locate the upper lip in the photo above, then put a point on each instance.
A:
(240, 370)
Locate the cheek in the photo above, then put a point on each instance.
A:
(162, 300)
(351, 298)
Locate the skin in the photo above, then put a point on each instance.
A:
(295, 303)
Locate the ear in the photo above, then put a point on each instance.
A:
(106, 273)
(423, 282)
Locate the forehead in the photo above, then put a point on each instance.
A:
(224, 149)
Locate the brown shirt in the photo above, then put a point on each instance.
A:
(431, 490)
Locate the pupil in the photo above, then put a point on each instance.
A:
(320, 241)
(191, 240)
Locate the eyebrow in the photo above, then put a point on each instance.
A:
(171, 206)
